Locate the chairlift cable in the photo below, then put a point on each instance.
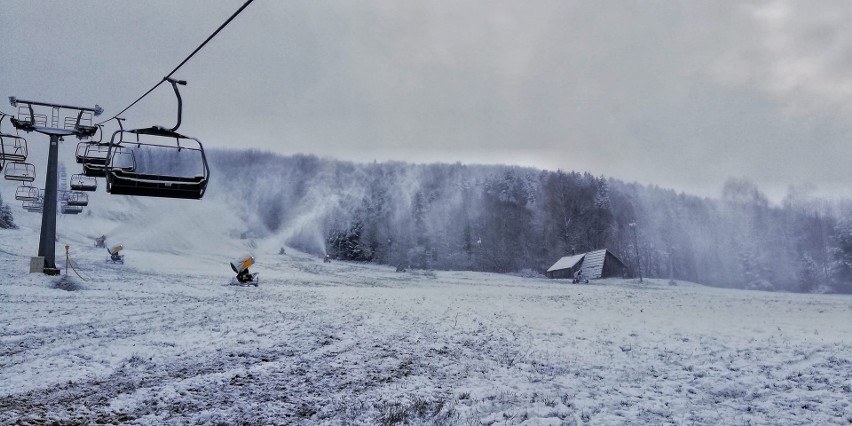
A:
(228, 21)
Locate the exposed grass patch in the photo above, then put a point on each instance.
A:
(419, 410)
(67, 283)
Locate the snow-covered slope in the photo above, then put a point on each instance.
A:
(163, 339)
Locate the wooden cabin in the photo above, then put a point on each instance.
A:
(594, 264)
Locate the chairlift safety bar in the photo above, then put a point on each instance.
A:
(97, 110)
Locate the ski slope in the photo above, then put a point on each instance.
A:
(163, 339)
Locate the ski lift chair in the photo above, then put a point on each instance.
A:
(13, 148)
(34, 206)
(80, 182)
(93, 155)
(27, 120)
(23, 172)
(158, 163)
(82, 124)
(77, 199)
(80, 152)
(26, 193)
(66, 208)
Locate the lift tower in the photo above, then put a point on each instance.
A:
(63, 120)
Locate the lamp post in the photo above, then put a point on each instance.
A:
(636, 247)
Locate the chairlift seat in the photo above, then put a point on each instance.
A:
(127, 182)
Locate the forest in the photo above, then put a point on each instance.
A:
(509, 219)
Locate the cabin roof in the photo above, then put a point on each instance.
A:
(593, 264)
(566, 262)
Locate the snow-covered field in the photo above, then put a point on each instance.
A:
(163, 339)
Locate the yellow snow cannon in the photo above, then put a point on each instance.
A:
(114, 255)
(244, 277)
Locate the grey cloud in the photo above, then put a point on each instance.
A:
(681, 94)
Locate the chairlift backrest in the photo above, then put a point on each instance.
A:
(23, 172)
(92, 153)
(122, 158)
(84, 119)
(94, 159)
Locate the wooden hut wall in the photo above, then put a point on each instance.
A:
(612, 267)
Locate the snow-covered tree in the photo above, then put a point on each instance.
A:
(6, 219)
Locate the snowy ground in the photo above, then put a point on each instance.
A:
(162, 339)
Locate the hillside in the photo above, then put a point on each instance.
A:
(508, 219)
(163, 339)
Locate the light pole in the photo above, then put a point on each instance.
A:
(636, 247)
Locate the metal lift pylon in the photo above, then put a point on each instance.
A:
(28, 121)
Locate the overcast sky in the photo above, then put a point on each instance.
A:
(679, 94)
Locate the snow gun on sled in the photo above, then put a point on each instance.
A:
(114, 255)
(244, 277)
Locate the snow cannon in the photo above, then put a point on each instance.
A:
(242, 264)
(244, 277)
(114, 257)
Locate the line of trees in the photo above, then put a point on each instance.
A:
(508, 219)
